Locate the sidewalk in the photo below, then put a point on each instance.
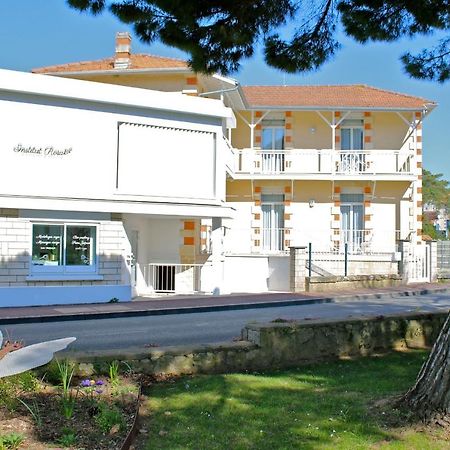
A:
(201, 303)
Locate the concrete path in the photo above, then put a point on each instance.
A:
(196, 304)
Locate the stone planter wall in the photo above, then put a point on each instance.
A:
(279, 345)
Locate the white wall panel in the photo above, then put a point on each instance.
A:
(166, 162)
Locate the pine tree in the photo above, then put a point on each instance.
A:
(218, 34)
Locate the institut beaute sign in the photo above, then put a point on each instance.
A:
(42, 151)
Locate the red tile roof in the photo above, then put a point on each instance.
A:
(352, 96)
(138, 61)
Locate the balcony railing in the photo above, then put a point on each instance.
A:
(326, 162)
(278, 240)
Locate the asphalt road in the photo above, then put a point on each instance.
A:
(208, 327)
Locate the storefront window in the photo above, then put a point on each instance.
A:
(80, 245)
(63, 248)
(47, 241)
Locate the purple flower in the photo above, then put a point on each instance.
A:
(85, 383)
(99, 391)
(100, 383)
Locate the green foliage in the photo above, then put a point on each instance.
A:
(11, 441)
(435, 191)
(114, 373)
(68, 438)
(109, 416)
(218, 34)
(429, 230)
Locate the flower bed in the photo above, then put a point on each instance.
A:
(62, 410)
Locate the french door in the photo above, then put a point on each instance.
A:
(352, 221)
(272, 145)
(352, 142)
(272, 206)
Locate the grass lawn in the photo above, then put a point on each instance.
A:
(325, 406)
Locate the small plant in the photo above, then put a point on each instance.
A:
(68, 438)
(68, 398)
(114, 374)
(107, 417)
(114, 300)
(11, 441)
(33, 409)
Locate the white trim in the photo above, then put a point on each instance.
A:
(64, 277)
(28, 83)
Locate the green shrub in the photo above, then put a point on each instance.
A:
(12, 387)
(68, 438)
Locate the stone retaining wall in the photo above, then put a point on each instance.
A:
(279, 345)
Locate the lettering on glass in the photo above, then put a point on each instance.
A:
(46, 249)
(42, 151)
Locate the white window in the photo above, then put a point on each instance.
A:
(272, 206)
(352, 221)
(63, 248)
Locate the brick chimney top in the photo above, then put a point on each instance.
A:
(123, 51)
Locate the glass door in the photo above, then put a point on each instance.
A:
(272, 206)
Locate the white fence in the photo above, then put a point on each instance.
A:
(171, 278)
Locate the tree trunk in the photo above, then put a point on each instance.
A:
(429, 398)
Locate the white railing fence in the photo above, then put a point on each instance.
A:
(170, 278)
(312, 161)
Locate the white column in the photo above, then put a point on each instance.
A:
(217, 255)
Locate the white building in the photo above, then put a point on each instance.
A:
(95, 178)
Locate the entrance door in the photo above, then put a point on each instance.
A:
(272, 206)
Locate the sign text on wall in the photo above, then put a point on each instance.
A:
(42, 151)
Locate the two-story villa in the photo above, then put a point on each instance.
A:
(337, 167)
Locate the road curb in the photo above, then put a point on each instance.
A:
(211, 308)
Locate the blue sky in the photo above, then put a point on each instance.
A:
(37, 33)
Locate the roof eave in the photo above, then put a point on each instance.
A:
(428, 106)
(118, 71)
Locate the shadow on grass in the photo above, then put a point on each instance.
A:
(321, 406)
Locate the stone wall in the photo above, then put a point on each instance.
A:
(278, 345)
(325, 284)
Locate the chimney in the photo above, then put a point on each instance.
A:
(123, 51)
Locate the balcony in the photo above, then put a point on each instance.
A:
(323, 164)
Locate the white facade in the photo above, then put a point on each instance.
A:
(90, 171)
